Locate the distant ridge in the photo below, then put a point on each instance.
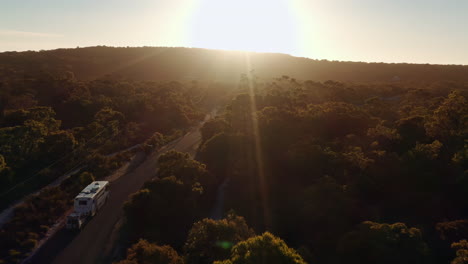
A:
(174, 63)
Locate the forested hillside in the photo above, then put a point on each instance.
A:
(160, 63)
(343, 172)
(45, 118)
(352, 173)
(53, 125)
(306, 161)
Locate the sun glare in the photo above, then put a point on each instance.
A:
(263, 25)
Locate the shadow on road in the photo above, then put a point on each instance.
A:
(55, 244)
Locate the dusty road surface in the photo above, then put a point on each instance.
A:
(93, 242)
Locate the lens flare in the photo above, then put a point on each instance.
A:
(263, 188)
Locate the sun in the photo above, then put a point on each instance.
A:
(251, 25)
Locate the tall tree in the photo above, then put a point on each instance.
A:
(144, 252)
(383, 243)
(211, 240)
(265, 248)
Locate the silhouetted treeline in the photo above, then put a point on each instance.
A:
(162, 63)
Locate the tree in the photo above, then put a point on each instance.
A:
(184, 168)
(20, 143)
(154, 142)
(215, 152)
(109, 118)
(324, 211)
(450, 119)
(6, 174)
(42, 114)
(384, 135)
(3, 164)
(422, 164)
(57, 145)
(263, 249)
(411, 130)
(462, 252)
(166, 202)
(452, 231)
(106, 115)
(211, 240)
(383, 243)
(240, 114)
(213, 127)
(427, 151)
(336, 119)
(278, 127)
(144, 252)
(86, 178)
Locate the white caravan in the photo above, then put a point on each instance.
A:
(87, 203)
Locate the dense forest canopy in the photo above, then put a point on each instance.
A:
(314, 161)
(54, 125)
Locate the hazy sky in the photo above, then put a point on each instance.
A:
(421, 31)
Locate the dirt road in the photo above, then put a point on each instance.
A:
(92, 243)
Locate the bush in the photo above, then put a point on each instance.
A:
(145, 252)
(263, 249)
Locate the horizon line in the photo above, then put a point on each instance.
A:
(233, 50)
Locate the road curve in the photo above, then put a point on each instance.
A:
(89, 246)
